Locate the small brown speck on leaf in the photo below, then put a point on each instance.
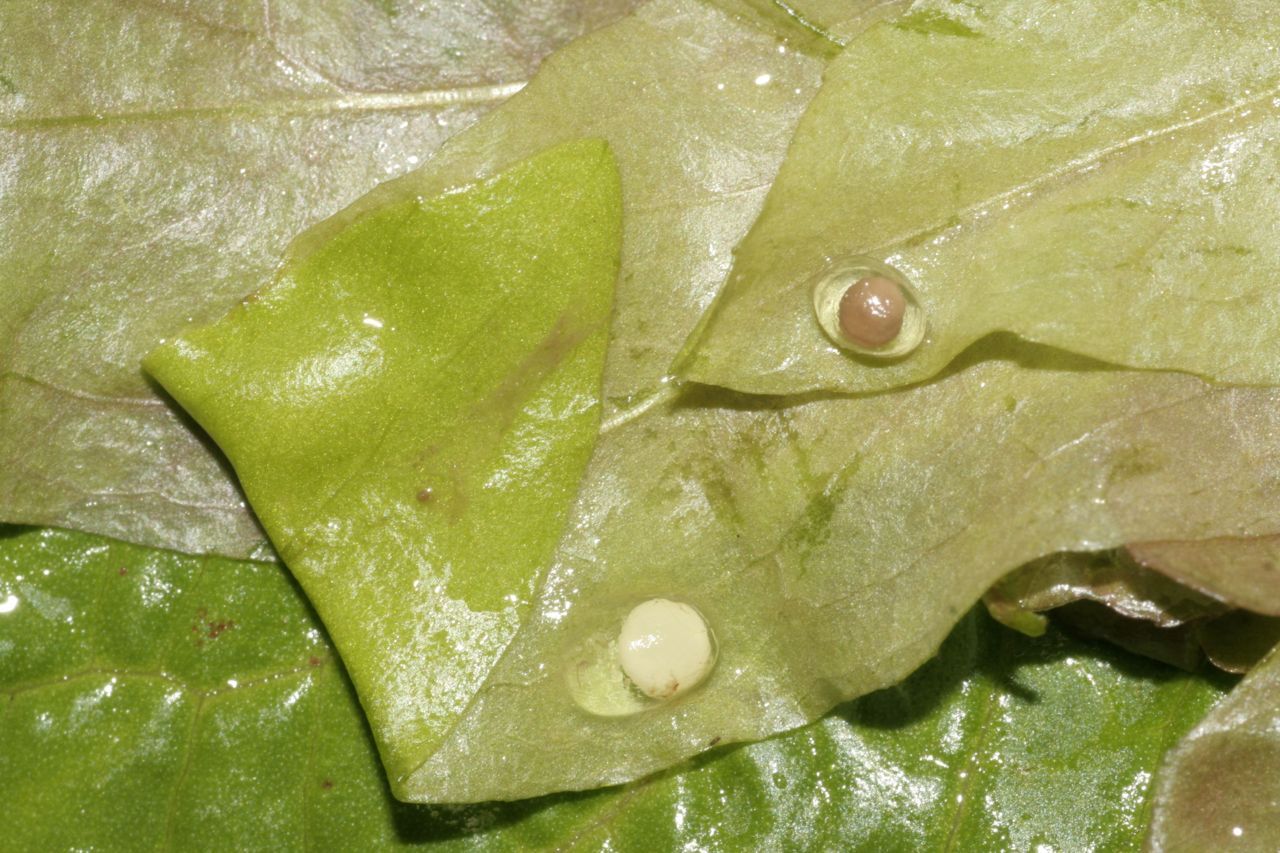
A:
(327, 784)
(715, 740)
(425, 496)
(122, 571)
(206, 628)
(217, 629)
(315, 661)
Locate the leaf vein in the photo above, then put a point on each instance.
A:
(365, 102)
(1080, 165)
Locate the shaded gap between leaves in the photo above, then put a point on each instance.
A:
(994, 346)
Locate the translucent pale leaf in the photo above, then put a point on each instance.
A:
(1098, 176)
(149, 699)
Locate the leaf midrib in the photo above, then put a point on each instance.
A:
(1022, 194)
(424, 99)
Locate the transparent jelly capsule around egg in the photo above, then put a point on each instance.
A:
(868, 308)
(641, 658)
(596, 681)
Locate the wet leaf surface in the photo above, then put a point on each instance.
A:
(859, 527)
(1104, 457)
(825, 569)
(410, 409)
(150, 699)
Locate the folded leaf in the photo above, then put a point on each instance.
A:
(154, 178)
(1177, 646)
(126, 727)
(1219, 788)
(1239, 640)
(1109, 595)
(1242, 571)
(1110, 578)
(410, 410)
(1098, 179)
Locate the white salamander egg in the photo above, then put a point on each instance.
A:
(665, 648)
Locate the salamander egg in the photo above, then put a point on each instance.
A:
(868, 309)
(665, 648)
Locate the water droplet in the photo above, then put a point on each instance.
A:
(9, 604)
(868, 308)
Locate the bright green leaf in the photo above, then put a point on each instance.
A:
(1097, 176)
(410, 409)
(123, 728)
